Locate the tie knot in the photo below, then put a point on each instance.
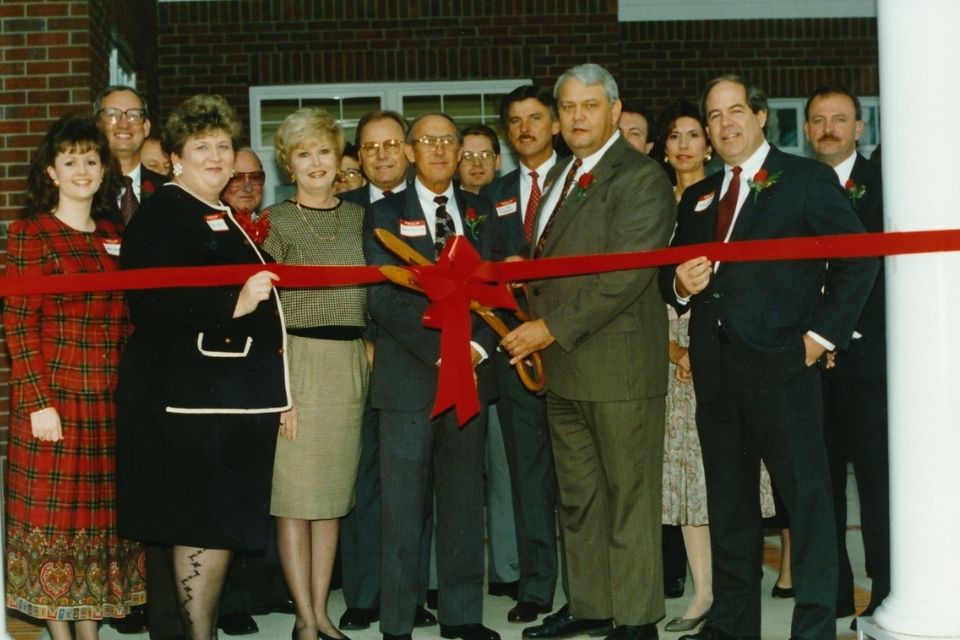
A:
(534, 175)
(440, 200)
(577, 163)
(387, 192)
(128, 182)
(736, 171)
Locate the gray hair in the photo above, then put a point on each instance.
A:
(116, 88)
(590, 74)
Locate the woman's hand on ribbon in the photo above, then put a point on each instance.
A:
(255, 290)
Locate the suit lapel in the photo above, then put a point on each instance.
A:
(755, 204)
(462, 206)
(414, 212)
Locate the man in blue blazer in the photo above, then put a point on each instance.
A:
(420, 455)
(528, 114)
(855, 390)
(756, 330)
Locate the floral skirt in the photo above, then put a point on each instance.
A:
(64, 559)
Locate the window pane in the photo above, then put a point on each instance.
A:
(354, 108)
(464, 109)
(414, 106)
(330, 105)
(782, 127)
(491, 108)
(272, 113)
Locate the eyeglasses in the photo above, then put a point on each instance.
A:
(256, 178)
(351, 174)
(482, 156)
(391, 147)
(443, 142)
(133, 116)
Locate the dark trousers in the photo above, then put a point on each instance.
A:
(417, 457)
(855, 430)
(533, 481)
(783, 424)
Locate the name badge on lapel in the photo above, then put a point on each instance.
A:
(112, 246)
(413, 228)
(216, 222)
(704, 202)
(506, 207)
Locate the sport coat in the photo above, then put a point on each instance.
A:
(610, 328)
(504, 193)
(405, 375)
(765, 308)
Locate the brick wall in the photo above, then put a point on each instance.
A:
(662, 61)
(223, 47)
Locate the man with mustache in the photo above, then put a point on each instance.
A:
(756, 332)
(855, 390)
(528, 115)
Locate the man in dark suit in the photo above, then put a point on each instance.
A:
(420, 455)
(122, 116)
(528, 115)
(380, 141)
(855, 390)
(756, 330)
(604, 344)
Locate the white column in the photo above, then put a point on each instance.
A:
(920, 104)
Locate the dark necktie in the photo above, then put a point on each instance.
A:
(553, 215)
(532, 203)
(387, 192)
(128, 201)
(444, 227)
(727, 207)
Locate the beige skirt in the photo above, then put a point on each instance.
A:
(314, 475)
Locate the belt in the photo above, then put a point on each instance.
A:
(333, 332)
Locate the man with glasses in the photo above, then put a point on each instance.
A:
(122, 116)
(481, 158)
(244, 192)
(420, 455)
(380, 141)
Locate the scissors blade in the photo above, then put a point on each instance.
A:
(401, 276)
(401, 249)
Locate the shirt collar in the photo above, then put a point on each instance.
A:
(751, 165)
(376, 193)
(845, 168)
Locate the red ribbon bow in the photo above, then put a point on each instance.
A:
(458, 278)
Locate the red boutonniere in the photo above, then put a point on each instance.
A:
(147, 189)
(584, 183)
(854, 191)
(761, 181)
(256, 228)
(472, 220)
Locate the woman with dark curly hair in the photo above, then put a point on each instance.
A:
(203, 380)
(65, 562)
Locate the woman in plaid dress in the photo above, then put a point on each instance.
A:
(64, 559)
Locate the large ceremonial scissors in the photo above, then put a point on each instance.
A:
(530, 369)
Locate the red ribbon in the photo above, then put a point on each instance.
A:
(460, 276)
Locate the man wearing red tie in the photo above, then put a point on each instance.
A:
(756, 332)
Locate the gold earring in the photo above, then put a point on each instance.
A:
(56, 182)
(293, 178)
(708, 157)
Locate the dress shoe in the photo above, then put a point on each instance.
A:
(322, 636)
(782, 592)
(563, 625)
(508, 589)
(845, 610)
(237, 623)
(634, 632)
(432, 598)
(281, 606)
(709, 633)
(403, 636)
(686, 624)
(475, 631)
(526, 612)
(423, 618)
(355, 618)
(133, 622)
(674, 588)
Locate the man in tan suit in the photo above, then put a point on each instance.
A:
(604, 343)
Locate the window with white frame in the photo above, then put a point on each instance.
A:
(785, 126)
(467, 102)
(122, 69)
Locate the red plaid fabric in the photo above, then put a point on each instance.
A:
(64, 560)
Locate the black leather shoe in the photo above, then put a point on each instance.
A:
(475, 631)
(237, 623)
(845, 610)
(563, 625)
(634, 632)
(423, 618)
(782, 592)
(432, 597)
(404, 636)
(133, 622)
(355, 618)
(674, 588)
(526, 612)
(508, 589)
(709, 633)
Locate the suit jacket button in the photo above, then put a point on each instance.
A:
(280, 351)
(716, 296)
